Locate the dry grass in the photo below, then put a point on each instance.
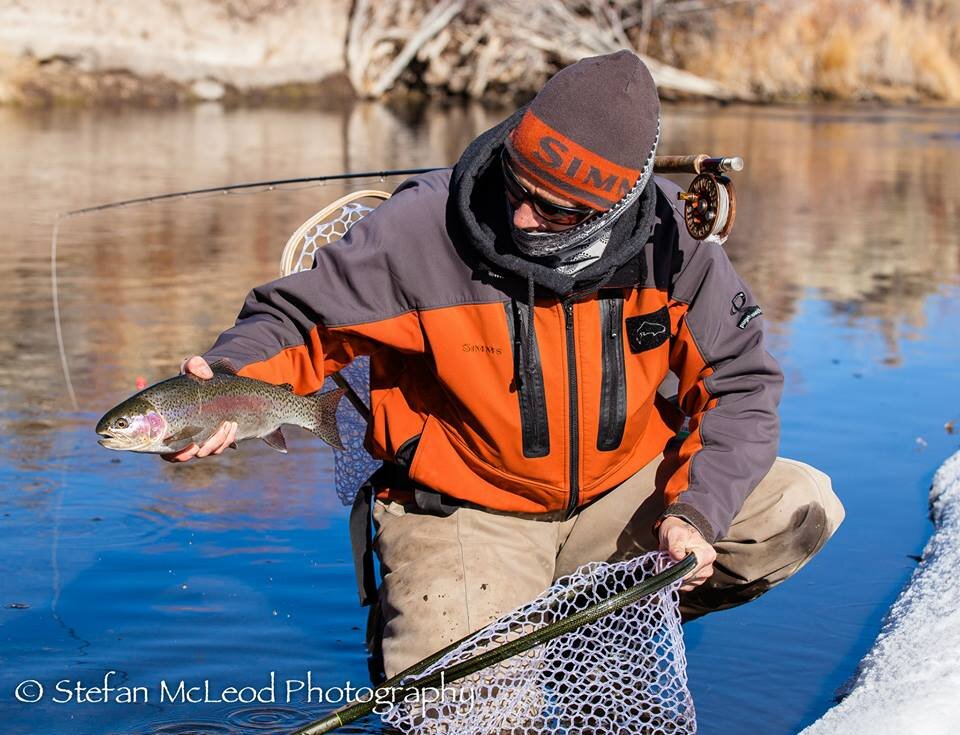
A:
(834, 49)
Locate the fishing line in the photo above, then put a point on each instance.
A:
(399, 687)
(56, 312)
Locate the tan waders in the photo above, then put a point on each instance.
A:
(445, 576)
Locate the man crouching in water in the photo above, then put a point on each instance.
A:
(520, 311)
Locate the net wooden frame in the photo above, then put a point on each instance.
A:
(291, 261)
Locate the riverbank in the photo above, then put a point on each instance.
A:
(906, 683)
(94, 53)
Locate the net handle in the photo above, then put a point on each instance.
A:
(361, 708)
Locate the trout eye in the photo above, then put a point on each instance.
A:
(122, 423)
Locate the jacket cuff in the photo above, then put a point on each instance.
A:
(694, 517)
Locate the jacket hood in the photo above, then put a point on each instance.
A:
(478, 208)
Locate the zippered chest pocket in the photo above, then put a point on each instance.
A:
(613, 384)
(528, 375)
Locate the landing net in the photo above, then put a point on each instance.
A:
(322, 233)
(601, 651)
(353, 465)
(622, 673)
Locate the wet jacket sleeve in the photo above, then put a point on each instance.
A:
(303, 327)
(729, 388)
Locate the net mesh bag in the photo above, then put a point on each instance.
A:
(328, 231)
(353, 465)
(624, 674)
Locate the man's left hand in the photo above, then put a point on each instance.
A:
(678, 538)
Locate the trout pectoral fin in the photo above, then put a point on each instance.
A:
(186, 434)
(276, 441)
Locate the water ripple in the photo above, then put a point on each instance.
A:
(189, 727)
(267, 718)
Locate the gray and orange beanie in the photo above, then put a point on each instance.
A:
(591, 133)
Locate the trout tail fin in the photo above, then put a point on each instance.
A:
(324, 422)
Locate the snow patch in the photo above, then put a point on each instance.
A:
(910, 680)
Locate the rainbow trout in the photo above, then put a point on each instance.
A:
(175, 413)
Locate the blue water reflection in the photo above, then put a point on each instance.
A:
(231, 569)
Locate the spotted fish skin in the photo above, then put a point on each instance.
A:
(175, 413)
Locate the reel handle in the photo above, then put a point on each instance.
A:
(696, 164)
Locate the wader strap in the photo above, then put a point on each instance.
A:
(361, 540)
(432, 502)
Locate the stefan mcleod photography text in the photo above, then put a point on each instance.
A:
(113, 687)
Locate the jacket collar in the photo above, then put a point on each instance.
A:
(477, 210)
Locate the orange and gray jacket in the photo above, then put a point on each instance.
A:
(476, 402)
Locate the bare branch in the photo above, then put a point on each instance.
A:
(508, 45)
(700, 6)
(435, 21)
(357, 49)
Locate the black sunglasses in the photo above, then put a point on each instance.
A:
(556, 214)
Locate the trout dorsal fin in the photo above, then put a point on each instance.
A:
(222, 366)
(286, 386)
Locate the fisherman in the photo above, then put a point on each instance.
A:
(521, 311)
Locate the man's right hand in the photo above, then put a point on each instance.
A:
(222, 438)
(678, 538)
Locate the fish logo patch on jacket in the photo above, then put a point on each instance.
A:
(648, 330)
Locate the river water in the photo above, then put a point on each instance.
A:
(230, 569)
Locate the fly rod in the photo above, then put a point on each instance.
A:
(270, 184)
(697, 164)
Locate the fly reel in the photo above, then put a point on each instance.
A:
(710, 204)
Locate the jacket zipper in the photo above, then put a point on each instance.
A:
(613, 384)
(574, 422)
(534, 425)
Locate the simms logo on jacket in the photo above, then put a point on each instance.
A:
(737, 305)
(488, 349)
